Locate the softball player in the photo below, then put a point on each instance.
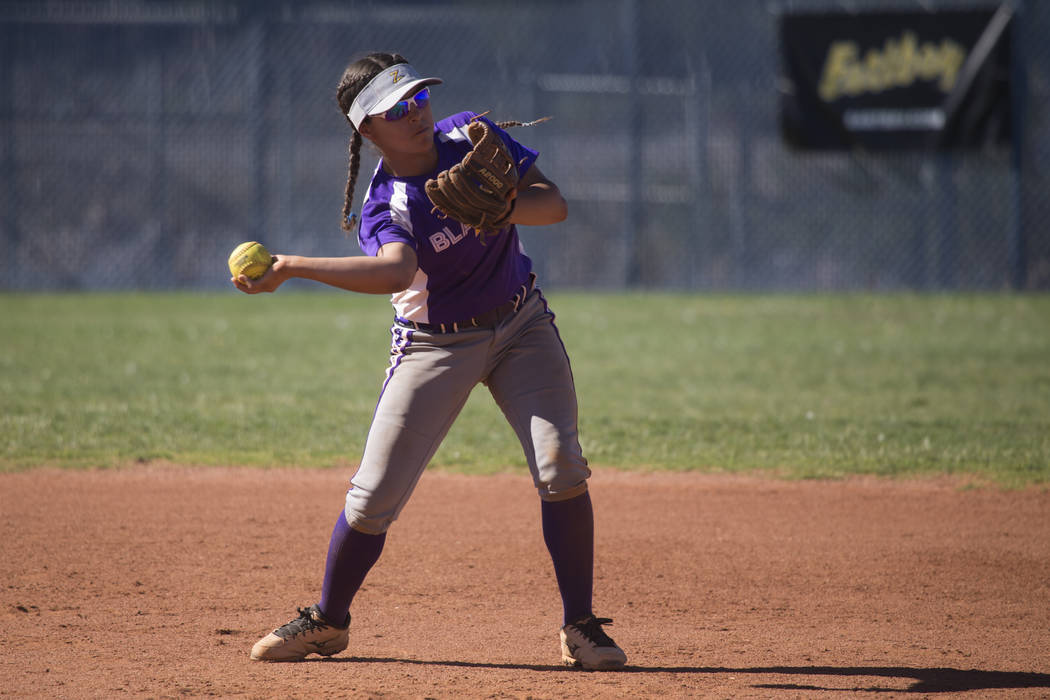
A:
(466, 310)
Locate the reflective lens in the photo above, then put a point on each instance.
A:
(420, 100)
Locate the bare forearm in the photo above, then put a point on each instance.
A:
(356, 274)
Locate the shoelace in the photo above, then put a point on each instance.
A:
(304, 623)
(591, 628)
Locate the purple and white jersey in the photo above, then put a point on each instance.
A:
(458, 277)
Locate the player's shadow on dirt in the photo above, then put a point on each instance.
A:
(927, 680)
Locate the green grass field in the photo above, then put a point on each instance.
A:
(798, 386)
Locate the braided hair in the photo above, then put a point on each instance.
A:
(510, 124)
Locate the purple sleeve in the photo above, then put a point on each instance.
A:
(372, 238)
(385, 217)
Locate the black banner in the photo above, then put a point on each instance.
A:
(896, 80)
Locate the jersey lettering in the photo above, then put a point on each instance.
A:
(445, 239)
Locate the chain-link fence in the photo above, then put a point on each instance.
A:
(140, 141)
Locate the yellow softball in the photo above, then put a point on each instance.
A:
(250, 259)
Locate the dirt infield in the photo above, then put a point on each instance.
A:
(155, 581)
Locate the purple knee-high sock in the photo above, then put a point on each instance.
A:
(568, 530)
(351, 554)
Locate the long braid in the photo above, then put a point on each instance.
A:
(349, 218)
(510, 124)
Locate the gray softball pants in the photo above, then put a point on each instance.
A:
(524, 365)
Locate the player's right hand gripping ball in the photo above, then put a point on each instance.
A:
(475, 190)
(250, 259)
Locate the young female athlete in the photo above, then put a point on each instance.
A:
(466, 310)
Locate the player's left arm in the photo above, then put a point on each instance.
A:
(539, 201)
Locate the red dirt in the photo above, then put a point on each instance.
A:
(155, 581)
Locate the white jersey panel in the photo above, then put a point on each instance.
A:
(411, 304)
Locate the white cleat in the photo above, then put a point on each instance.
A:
(585, 644)
(310, 633)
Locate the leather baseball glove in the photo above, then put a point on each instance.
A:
(476, 191)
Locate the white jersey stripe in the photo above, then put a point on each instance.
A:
(399, 207)
(457, 134)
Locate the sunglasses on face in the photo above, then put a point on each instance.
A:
(401, 109)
